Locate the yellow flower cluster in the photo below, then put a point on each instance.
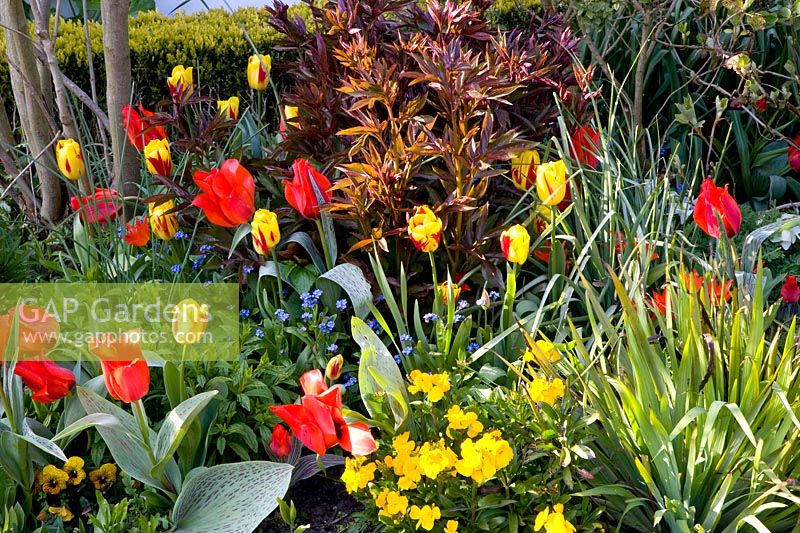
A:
(482, 458)
(434, 385)
(435, 458)
(391, 504)
(544, 390)
(542, 353)
(425, 516)
(405, 462)
(553, 521)
(53, 480)
(357, 473)
(460, 419)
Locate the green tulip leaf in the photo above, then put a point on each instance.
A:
(350, 278)
(88, 421)
(241, 232)
(176, 426)
(230, 498)
(46, 445)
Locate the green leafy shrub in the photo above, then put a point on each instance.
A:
(212, 42)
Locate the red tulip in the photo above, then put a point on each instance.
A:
(300, 192)
(794, 155)
(790, 292)
(762, 105)
(125, 370)
(317, 421)
(137, 124)
(585, 144)
(228, 194)
(48, 381)
(716, 202)
(281, 441)
(101, 207)
(138, 233)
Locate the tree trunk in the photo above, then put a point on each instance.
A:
(117, 55)
(27, 85)
(24, 195)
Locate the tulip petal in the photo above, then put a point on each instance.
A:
(360, 440)
(313, 382)
(302, 425)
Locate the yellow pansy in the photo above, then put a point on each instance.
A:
(103, 477)
(74, 469)
(53, 479)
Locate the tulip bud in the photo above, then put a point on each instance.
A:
(445, 289)
(515, 243)
(334, 369)
(542, 218)
(523, 169)
(181, 82)
(157, 157)
(425, 229)
(163, 223)
(70, 159)
(281, 441)
(265, 231)
(229, 108)
(551, 182)
(190, 322)
(484, 301)
(290, 113)
(258, 69)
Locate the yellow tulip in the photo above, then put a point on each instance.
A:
(258, 73)
(445, 289)
(190, 321)
(158, 158)
(425, 229)
(229, 108)
(334, 368)
(290, 112)
(265, 231)
(70, 159)
(181, 82)
(551, 182)
(523, 169)
(516, 244)
(163, 223)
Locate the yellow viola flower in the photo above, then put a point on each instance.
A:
(553, 522)
(157, 157)
(53, 479)
(540, 352)
(74, 469)
(542, 390)
(103, 477)
(357, 473)
(425, 229)
(229, 108)
(265, 231)
(459, 419)
(425, 516)
(515, 242)
(523, 169)
(446, 288)
(61, 512)
(181, 82)
(551, 182)
(391, 503)
(70, 159)
(258, 70)
(163, 223)
(189, 321)
(451, 526)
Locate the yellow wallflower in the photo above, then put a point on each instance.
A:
(460, 419)
(104, 477)
(540, 352)
(434, 385)
(74, 469)
(481, 459)
(435, 458)
(391, 503)
(357, 475)
(53, 479)
(63, 512)
(553, 522)
(425, 516)
(451, 527)
(542, 390)
(405, 462)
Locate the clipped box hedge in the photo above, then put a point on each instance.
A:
(211, 42)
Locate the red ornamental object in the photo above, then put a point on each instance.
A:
(300, 191)
(317, 421)
(137, 233)
(281, 441)
(136, 123)
(716, 202)
(585, 144)
(790, 292)
(794, 155)
(48, 381)
(228, 194)
(101, 207)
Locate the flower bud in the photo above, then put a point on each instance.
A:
(425, 229)
(157, 157)
(163, 223)
(551, 182)
(334, 368)
(70, 159)
(265, 231)
(229, 108)
(258, 69)
(515, 243)
(190, 321)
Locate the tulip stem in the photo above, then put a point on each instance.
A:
(181, 374)
(278, 276)
(324, 240)
(141, 418)
(436, 297)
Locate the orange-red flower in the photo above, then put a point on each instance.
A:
(300, 191)
(718, 292)
(125, 370)
(794, 155)
(281, 441)
(37, 331)
(48, 381)
(317, 421)
(790, 292)
(101, 207)
(659, 301)
(585, 145)
(716, 202)
(228, 194)
(138, 233)
(137, 124)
